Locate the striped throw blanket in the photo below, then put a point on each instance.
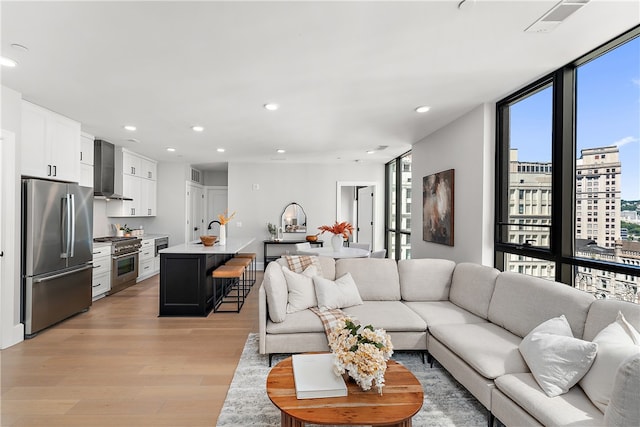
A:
(329, 318)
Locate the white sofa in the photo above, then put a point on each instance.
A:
(470, 318)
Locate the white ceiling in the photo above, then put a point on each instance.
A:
(347, 75)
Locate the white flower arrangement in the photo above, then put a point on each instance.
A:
(361, 352)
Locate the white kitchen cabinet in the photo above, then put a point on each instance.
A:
(50, 144)
(135, 185)
(101, 280)
(146, 259)
(86, 160)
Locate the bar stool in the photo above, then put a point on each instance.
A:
(230, 276)
(254, 264)
(246, 277)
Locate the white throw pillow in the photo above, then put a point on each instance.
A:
(557, 360)
(340, 293)
(275, 286)
(623, 409)
(615, 344)
(301, 292)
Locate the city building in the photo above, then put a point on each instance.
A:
(598, 196)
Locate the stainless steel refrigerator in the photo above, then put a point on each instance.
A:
(57, 228)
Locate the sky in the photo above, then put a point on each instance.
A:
(608, 113)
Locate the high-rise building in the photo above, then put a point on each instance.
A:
(598, 196)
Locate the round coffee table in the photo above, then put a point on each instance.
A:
(401, 399)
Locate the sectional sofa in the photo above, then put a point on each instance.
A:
(470, 318)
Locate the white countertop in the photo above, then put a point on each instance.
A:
(232, 245)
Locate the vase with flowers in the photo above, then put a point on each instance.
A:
(340, 231)
(224, 219)
(360, 352)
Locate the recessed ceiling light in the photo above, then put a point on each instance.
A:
(7, 62)
(220, 150)
(271, 106)
(130, 127)
(171, 149)
(371, 151)
(133, 140)
(422, 109)
(197, 128)
(281, 151)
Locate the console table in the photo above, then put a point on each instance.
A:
(267, 243)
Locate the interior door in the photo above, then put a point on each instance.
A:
(365, 215)
(216, 204)
(195, 212)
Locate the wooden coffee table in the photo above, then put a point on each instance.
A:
(402, 399)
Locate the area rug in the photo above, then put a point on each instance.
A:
(446, 403)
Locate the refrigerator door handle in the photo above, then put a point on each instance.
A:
(59, 275)
(66, 226)
(72, 225)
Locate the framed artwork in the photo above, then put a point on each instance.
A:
(437, 207)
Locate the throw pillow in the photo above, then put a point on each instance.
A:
(615, 344)
(301, 294)
(623, 408)
(340, 293)
(275, 286)
(557, 360)
(298, 263)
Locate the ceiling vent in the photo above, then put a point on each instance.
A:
(555, 16)
(195, 175)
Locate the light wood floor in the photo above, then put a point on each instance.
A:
(119, 364)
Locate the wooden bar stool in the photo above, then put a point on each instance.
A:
(246, 277)
(254, 264)
(229, 277)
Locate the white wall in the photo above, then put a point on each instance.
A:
(11, 330)
(468, 146)
(218, 178)
(313, 186)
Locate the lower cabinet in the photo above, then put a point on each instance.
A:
(146, 267)
(101, 281)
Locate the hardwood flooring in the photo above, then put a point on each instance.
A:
(119, 364)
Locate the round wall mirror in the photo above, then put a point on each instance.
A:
(294, 220)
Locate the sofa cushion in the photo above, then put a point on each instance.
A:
(556, 359)
(472, 286)
(275, 287)
(298, 322)
(299, 263)
(572, 408)
(442, 313)
(521, 302)
(615, 344)
(489, 349)
(301, 292)
(425, 279)
(392, 316)
(603, 312)
(338, 293)
(623, 408)
(377, 279)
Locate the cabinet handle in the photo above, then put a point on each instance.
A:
(97, 286)
(49, 170)
(96, 266)
(81, 156)
(55, 170)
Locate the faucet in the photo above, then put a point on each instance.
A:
(214, 221)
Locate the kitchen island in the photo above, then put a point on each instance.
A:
(186, 285)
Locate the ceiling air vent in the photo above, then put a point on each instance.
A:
(555, 16)
(195, 175)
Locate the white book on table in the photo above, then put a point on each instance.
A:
(314, 376)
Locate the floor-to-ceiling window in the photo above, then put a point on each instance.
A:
(568, 174)
(398, 208)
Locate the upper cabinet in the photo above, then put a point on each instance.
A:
(50, 144)
(86, 160)
(136, 175)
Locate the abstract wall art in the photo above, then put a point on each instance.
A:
(437, 207)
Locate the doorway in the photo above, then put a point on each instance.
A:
(355, 203)
(195, 212)
(216, 203)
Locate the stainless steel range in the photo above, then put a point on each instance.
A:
(124, 261)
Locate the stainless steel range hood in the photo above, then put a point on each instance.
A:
(104, 171)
